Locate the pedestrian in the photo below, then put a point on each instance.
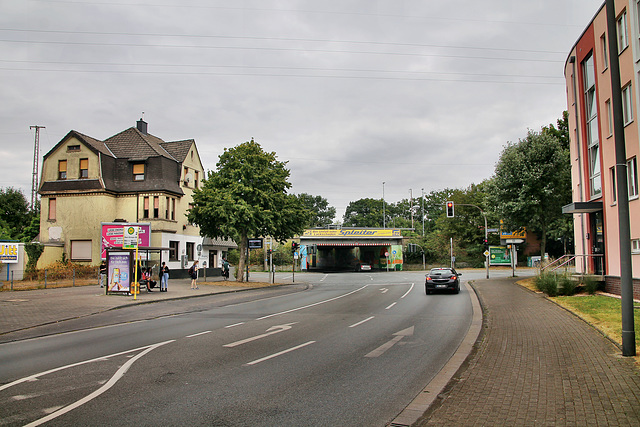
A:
(225, 268)
(164, 277)
(193, 272)
(103, 274)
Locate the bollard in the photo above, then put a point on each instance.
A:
(45, 278)
(73, 283)
(12, 280)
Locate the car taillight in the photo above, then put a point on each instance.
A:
(453, 277)
(428, 278)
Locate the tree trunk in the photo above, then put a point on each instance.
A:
(242, 262)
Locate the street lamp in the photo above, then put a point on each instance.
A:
(422, 207)
(384, 223)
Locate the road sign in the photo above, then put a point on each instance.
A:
(486, 253)
(130, 237)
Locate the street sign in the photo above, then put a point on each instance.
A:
(130, 237)
(486, 253)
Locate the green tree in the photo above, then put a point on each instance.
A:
(364, 213)
(532, 182)
(15, 214)
(322, 214)
(247, 196)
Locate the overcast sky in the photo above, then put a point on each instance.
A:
(419, 94)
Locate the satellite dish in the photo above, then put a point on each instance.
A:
(188, 178)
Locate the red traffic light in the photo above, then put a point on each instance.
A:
(450, 207)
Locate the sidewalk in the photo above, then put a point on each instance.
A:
(537, 364)
(21, 310)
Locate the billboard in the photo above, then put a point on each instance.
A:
(113, 235)
(118, 272)
(347, 232)
(9, 253)
(499, 255)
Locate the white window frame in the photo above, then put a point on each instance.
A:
(632, 178)
(627, 104)
(609, 117)
(623, 38)
(604, 48)
(593, 136)
(635, 246)
(614, 189)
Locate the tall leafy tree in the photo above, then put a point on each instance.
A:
(15, 215)
(364, 213)
(532, 182)
(247, 196)
(322, 214)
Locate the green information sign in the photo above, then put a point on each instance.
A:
(499, 255)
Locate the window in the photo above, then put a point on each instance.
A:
(186, 172)
(614, 188)
(62, 169)
(84, 168)
(173, 209)
(52, 209)
(166, 208)
(145, 207)
(623, 41)
(635, 246)
(605, 55)
(195, 179)
(156, 207)
(138, 172)
(173, 250)
(632, 177)
(190, 251)
(592, 136)
(609, 117)
(81, 250)
(627, 107)
(73, 148)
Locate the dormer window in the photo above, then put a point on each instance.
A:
(138, 171)
(62, 169)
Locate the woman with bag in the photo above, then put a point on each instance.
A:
(193, 272)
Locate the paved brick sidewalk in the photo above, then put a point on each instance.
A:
(537, 364)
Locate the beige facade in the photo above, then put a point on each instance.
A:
(589, 94)
(132, 177)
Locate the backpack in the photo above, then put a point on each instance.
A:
(191, 271)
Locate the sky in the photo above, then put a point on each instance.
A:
(418, 95)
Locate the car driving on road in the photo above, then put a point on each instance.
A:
(442, 278)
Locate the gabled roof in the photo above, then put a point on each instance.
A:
(178, 149)
(134, 145)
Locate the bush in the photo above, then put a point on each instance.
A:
(547, 283)
(567, 286)
(590, 284)
(60, 270)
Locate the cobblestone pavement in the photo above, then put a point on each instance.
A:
(536, 364)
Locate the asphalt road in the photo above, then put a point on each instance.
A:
(346, 349)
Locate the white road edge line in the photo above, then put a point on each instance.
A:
(361, 322)
(255, 362)
(311, 305)
(391, 306)
(407, 293)
(114, 379)
(198, 334)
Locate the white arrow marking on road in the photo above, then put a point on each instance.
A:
(386, 346)
(272, 330)
(384, 290)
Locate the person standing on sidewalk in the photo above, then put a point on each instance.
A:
(103, 274)
(164, 277)
(193, 272)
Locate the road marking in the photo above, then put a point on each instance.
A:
(361, 322)
(198, 334)
(255, 362)
(312, 305)
(235, 324)
(386, 346)
(391, 306)
(407, 293)
(272, 330)
(384, 290)
(112, 381)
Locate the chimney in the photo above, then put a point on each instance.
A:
(142, 126)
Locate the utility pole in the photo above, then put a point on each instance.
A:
(411, 204)
(624, 225)
(34, 176)
(422, 206)
(383, 213)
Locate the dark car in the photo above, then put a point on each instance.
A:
(442, 278)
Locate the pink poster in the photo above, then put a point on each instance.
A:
(112, 235)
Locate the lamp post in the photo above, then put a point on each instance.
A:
(384, 223)
(422, 208)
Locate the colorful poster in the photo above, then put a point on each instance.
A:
(9, 253)
(499, 255)
(347, 232)
(119, 268)
(113, 235)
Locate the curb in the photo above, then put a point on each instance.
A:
(430, 393)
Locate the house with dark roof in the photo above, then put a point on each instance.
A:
(131, 177)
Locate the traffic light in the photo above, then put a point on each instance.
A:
(294, 246)
(485, 242)
(450, 213)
